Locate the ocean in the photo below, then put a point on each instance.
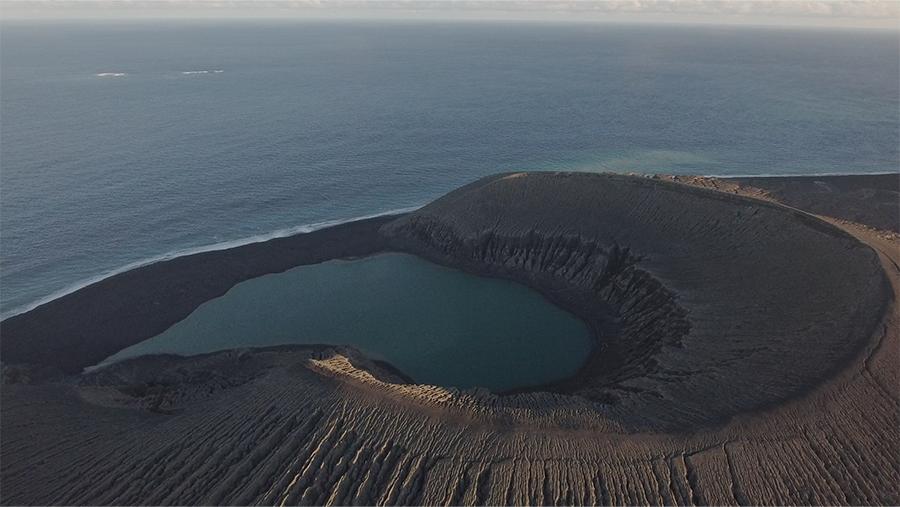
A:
(122, 144)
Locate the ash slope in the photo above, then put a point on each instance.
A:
(872, 200)
(704, 305)
(301, 426)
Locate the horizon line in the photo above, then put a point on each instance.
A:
(476, 16)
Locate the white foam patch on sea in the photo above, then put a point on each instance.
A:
(225, 245)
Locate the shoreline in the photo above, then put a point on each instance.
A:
(865, 181)
(887, 180)
(88, 325)
(159, 293)
(214, 247)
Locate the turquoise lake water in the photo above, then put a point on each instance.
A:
(439, 326)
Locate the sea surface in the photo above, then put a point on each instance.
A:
(121, 144)
(437, 325)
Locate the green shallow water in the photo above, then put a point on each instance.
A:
(439, 326)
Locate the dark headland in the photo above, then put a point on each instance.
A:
(746, 354)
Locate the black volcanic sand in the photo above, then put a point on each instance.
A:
(703, 304)
(746, 354)
(872, 200)
(87, 326)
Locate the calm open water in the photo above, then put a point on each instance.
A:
(122, 144)
(439, 326)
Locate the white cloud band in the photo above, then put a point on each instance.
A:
(807, 8)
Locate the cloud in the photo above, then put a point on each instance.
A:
(865, 9)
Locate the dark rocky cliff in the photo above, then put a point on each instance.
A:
(703, 304)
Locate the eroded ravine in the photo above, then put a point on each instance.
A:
(705, 305)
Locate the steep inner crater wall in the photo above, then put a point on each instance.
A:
(703, 305)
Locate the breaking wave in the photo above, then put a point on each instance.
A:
(225, 245)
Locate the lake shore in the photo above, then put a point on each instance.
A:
(82, 328)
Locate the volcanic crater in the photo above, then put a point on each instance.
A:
(733, 336)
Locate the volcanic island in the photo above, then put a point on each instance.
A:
(746, 352)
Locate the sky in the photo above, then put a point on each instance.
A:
(875, 14)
